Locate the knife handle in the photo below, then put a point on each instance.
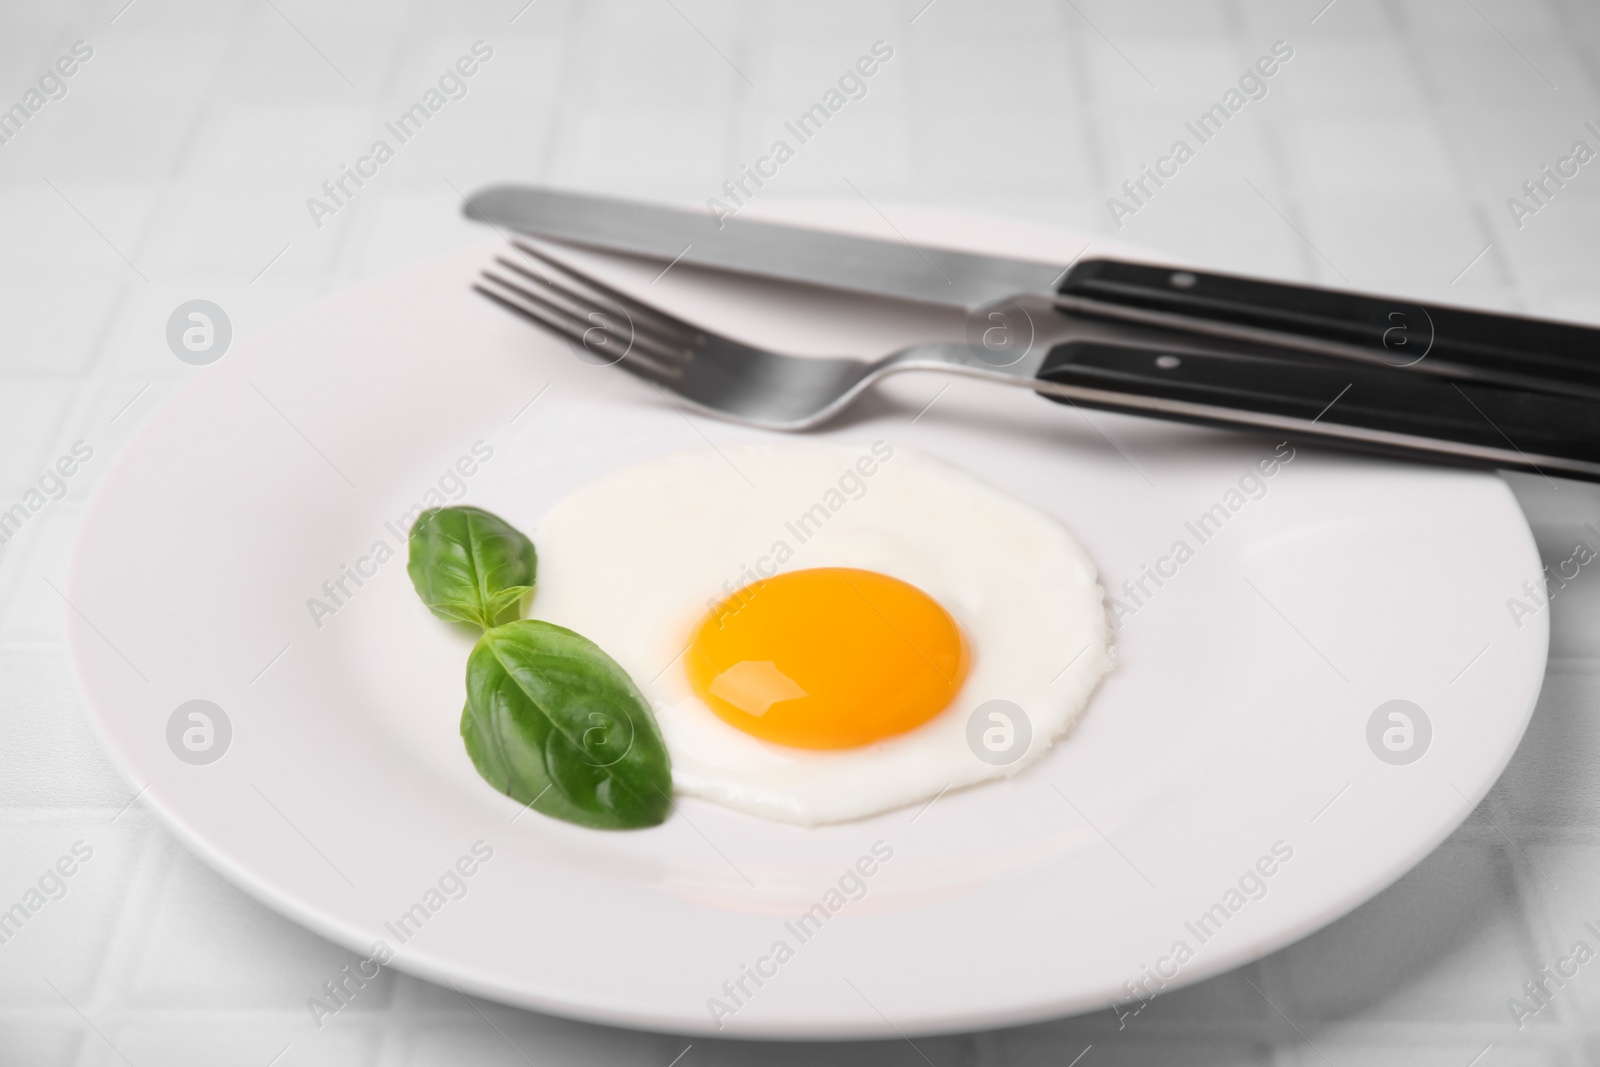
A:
(1528, 352)
(1371, 408)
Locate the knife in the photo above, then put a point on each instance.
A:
(788, 253)
(1297, 321)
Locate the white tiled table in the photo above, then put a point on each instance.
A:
(178, 165)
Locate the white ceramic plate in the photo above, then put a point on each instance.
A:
(1237, 719)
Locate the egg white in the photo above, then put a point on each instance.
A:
(635, 560)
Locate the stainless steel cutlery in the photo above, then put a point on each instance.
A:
(1368, 372)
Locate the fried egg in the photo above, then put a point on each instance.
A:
(826, 631)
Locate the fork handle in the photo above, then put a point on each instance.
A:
(1371, 408)
(1467, 345)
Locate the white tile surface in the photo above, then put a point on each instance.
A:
(179, 165)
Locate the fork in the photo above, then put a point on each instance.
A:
(1106, 365)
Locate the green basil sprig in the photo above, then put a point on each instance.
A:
(554, 722)
(550, 719)
(470, 566)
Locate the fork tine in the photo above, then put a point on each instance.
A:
(543, 313)
(576, 323)
(669, 345)
(527, 306)
(581, 302)
(649, 326)
(633, 307)
(634, 362)
(652, 326)
(565, 306)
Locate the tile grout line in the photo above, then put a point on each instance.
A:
(125, 947)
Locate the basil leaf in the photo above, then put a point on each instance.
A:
(554, 722)
(470, 566)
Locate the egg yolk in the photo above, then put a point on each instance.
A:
(828, 658)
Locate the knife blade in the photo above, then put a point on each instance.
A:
(789, 253)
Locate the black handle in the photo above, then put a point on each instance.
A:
(1434, 339)
(1372, 408)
